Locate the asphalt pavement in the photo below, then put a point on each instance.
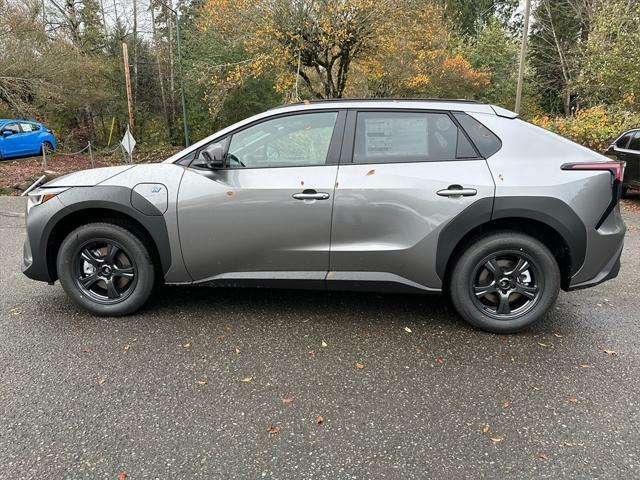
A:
(222, 383)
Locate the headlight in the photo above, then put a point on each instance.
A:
(42, 195)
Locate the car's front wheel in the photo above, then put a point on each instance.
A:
(504, 282)
(106, 269)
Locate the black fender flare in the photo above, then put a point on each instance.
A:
(550, 211)
(105, 198)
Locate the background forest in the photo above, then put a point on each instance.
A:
(61, 60)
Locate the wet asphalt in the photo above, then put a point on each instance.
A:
(222, 383)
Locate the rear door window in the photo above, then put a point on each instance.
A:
(28, 127)
(388, 137)
(484, 139)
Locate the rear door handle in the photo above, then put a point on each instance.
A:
(457, 191)
(311, 195)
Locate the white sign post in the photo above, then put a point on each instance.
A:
(128, 143)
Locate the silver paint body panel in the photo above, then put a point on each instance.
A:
(248, 221)
(387, 217)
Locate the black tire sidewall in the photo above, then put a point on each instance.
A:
(133, 246)
(461, 294)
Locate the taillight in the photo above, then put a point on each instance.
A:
(617, 172)
(616, 168)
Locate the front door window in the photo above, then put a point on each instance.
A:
(292, 141)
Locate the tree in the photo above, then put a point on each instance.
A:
(610, 71)
(395, 47)
(469, 17)
(560, 29)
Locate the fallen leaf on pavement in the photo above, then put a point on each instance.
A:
(359, 365)
(419, 349)
(201, 381)
(558, 335)
(187, 345)
(227, 328)
(86, 349)
(273, 429)
(585, 365)
(312, 354)
(611, 353)
(126, 347)
(543, 344)
(319, 419)
(485, 427)
(324, 344)
(122, 475)
(572, 399)
(543, 456)
(220, 338)
(497, 439)
(237, 350)
(440, 360)
(246, 379)
(287, 400)
(407, 329)
(506, 404)
(101, 380)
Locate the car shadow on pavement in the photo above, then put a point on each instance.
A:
(359, 308)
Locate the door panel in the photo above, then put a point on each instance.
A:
(247, 220)
(387, 217)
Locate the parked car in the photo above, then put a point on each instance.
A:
(626, 148)
(22, 138)
(412, 196)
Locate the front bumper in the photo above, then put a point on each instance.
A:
(39, 225)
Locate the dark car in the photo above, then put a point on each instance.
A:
(627, 148)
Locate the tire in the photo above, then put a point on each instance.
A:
(106, 269)
(625, 191)
(46, 147)
(504, 282)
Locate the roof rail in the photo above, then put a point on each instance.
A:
(443, 100)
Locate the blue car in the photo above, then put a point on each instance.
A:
(22, 138)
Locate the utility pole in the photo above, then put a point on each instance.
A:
(523, 54)
(127, 79)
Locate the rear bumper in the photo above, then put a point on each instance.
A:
(604, 248)
(610, 270)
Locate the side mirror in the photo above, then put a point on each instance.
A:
(6, 133)
(214, 155)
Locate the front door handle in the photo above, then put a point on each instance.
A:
(457, 191)
(311, 195)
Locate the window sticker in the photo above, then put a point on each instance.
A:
(396, 136)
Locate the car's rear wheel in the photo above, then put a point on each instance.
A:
(46, 147)
(106, 269)
(504, 282)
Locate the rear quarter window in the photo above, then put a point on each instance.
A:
(484, 139)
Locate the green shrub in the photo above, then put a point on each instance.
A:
(594, 127)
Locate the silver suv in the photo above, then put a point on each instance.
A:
(418, 196)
